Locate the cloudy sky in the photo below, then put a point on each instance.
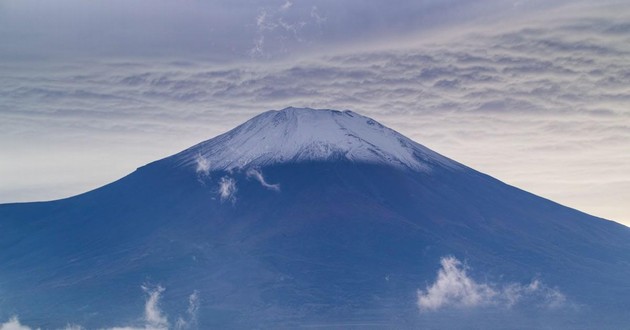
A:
(534, 93)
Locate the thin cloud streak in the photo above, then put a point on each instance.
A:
(257, 174)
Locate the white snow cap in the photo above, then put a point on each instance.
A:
(302, 134)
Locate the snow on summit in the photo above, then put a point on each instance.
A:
(303, 134)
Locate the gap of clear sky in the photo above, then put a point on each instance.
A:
(535, 93)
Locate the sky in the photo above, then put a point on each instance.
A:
(534, 93)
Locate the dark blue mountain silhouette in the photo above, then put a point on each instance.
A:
(311, 218)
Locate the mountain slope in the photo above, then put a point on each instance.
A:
(303, 218)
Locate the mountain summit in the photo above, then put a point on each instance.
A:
(302, 135)
(311, 218)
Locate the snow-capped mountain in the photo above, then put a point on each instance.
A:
(302, 135)
(311, 218)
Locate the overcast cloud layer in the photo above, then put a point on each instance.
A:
(225, 30)
(541, 103)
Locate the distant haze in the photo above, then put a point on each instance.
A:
(532, 92)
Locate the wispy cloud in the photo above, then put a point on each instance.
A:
(316, 16)
(190, 320)
(536, 293)
(257, 174)
(283, 28)
(227, 189)
(454, 288)
(154, 317)
(286, 5)
(202, 166)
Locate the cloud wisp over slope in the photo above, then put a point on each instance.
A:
(454, 288)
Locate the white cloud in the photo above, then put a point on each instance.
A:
(453, 288)
(203, 166)
(536, 293)
(227, 189)
(257, 174)
(261, 20)
(190, 321)
(13, 324)
(280, 31)
(154, 317)
(316, 16)
(287, 4)
(153, 314)
(73, 327)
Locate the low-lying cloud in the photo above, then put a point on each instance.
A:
(154, 317)
(13, 324)
(454, 288)
(203, 166)
(190, 321)
(257, 174)
(227, 189)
